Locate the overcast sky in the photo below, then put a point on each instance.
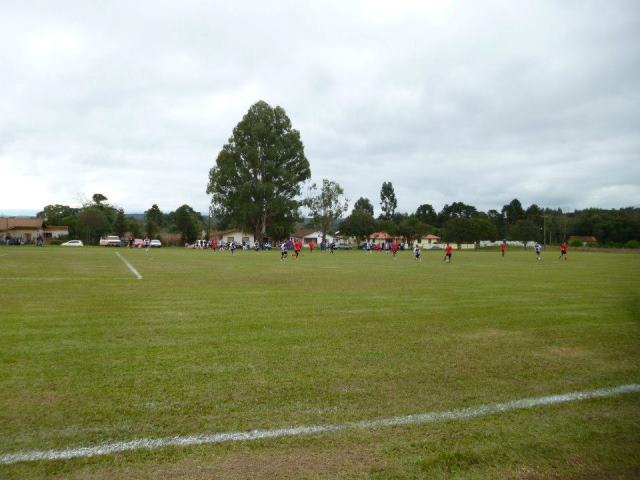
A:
(473, 101)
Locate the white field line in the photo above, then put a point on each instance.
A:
(3, 254)
(181, 441)
(133, 270)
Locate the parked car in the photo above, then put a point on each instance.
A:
(73, 243)
(110, 241)
(343, 246)
(138, 242)
(155, 243)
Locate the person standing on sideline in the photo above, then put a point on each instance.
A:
(448, 251)
(503, 247)
(537, 249)
(564, 248)
(283, 251)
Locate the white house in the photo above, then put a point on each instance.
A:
(233, 235)
(310, 235)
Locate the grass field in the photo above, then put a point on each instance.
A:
(208, 343)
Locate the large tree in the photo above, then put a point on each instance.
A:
(427, 214)
(513, 211)
(120, 223)
(469, 230)
(187, 223)
(326, 205)
(456, 210)
(363, 204)
(258, 173)
(56, 213)
(359, 224)
(388, 201)
(153, 220)
(92, 224)
(524, 230)
(411, 227)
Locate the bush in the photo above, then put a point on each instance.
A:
(55, 241)
(575, 243)
(632, 244)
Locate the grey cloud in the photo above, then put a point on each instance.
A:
(448, 100)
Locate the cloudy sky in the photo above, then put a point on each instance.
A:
(473, 101)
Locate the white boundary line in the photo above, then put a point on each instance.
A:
(181, 441)
(3, 254)
(133, 270)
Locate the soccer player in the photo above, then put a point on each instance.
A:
(416, 253)
(503, 247)
(332, 247)
(564, 248)
(448, 251)
(311, 246)
(537, 249)
(394, 248)
(297, 247)
(283, 251)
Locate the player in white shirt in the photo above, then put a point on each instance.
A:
(537, 249)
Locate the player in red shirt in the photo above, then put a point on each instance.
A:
(448, 251)
(311, 246)
(297, 247)
(503, 247)
(394, 248)
(564, 248)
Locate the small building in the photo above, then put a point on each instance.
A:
(28, 229)
(427, 241)
(310, 235)
(380, 238)
(232, 235)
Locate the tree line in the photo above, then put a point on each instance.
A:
(256, 186)
(97, 218)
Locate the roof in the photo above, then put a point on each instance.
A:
(381, 235)
(431, 237)
(19, 223)
(303, 233)
(57, 227)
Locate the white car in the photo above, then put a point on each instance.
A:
(73, 243)
(155, 243)
(110, 241)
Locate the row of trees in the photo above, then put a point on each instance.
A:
(258, 175)
(256, 182)
(97, 218)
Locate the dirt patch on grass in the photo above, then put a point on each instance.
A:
(566, 352)
(489, 334)
(301, 463)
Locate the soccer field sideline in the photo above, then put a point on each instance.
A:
(414, 419)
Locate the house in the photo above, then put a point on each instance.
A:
(429, 240)
(310, 235)
(586, 240)
(232, 235)
(380, 238)
(28, 229)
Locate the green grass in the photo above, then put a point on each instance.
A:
(207, 342)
